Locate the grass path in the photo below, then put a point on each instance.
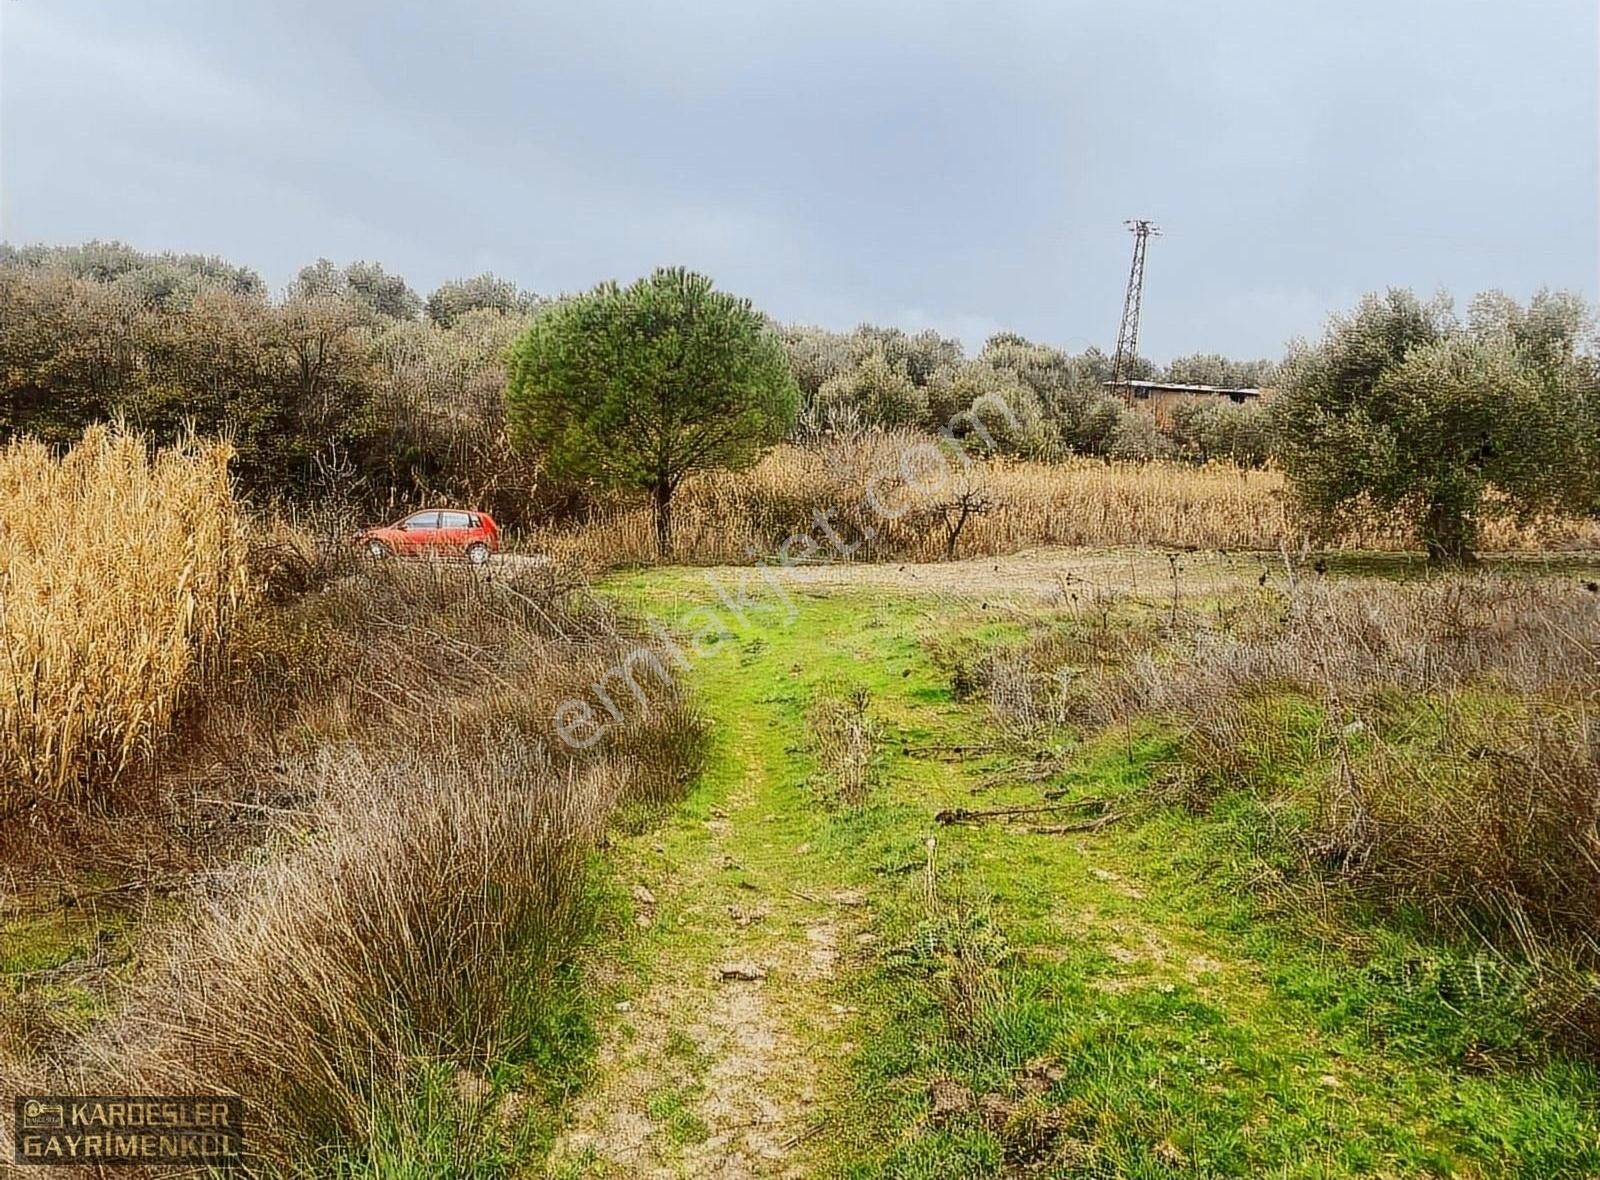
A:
(705, 1072)
(1102, 1004)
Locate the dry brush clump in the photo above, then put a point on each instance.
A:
(123, 570)
(407, 849)
(1456, 719)
(1450, 755)
(892, 494)
(845, 739)
(1092, 669)
(436, 893)
(1438, 741)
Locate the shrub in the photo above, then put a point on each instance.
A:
(1138, 437)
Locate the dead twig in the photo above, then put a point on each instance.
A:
(965, 815)
(1037, 773)
(948, 751)
(1088, 825)
(810, 1132)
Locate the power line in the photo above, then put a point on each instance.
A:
(1128, 336)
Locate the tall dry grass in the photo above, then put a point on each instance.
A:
(119, 574)
(439, 892)
(1438, 740)
(411, 843)
(1458, 728)
(886, 494)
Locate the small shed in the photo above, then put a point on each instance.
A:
(1159, 397)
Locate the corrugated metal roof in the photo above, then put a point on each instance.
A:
(1170, 387)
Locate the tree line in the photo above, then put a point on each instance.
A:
(350, 379)
(352, 375)
(352, 383)
(1042, 402)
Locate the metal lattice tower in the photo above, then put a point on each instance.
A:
(1128, 337)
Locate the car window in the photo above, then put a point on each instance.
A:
(422, 520)
(454, 520)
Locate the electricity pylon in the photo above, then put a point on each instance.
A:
(1128, 337)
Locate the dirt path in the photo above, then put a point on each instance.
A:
(1051, 575)
(1034, 575)
(711, 1066)
(1045, 574)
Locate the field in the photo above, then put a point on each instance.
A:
(890, 495)
(1110, 860)
(1097, 979)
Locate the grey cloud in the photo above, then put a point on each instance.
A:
(957, 165)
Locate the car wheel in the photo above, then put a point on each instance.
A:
(377, 549)
(477, 553)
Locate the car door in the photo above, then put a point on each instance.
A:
(455, 530)
(420, 531)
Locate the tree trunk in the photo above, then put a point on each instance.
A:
(663, 499)
(1448, 534)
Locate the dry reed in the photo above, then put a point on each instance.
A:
(882, 493)
(121, 572)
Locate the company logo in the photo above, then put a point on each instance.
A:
(127, 1129)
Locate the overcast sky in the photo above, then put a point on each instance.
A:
(961, 166)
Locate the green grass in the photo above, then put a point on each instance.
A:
(59, 960)
(1146, 1011)
(674, 1108)
(1406, 566)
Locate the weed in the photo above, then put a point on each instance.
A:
(844, 740)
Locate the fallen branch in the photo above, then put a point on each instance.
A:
(957, 750)
(1088, 825)
(1037, 773)
(965, 815)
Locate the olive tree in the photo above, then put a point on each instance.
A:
(365, 284)
(1215, 369)
(1404, 410)
(638, 386)
(879, 388)
(458, 297)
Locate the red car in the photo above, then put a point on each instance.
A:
(438, 532)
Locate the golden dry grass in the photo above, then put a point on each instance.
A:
(892, 484)
(120, 574)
